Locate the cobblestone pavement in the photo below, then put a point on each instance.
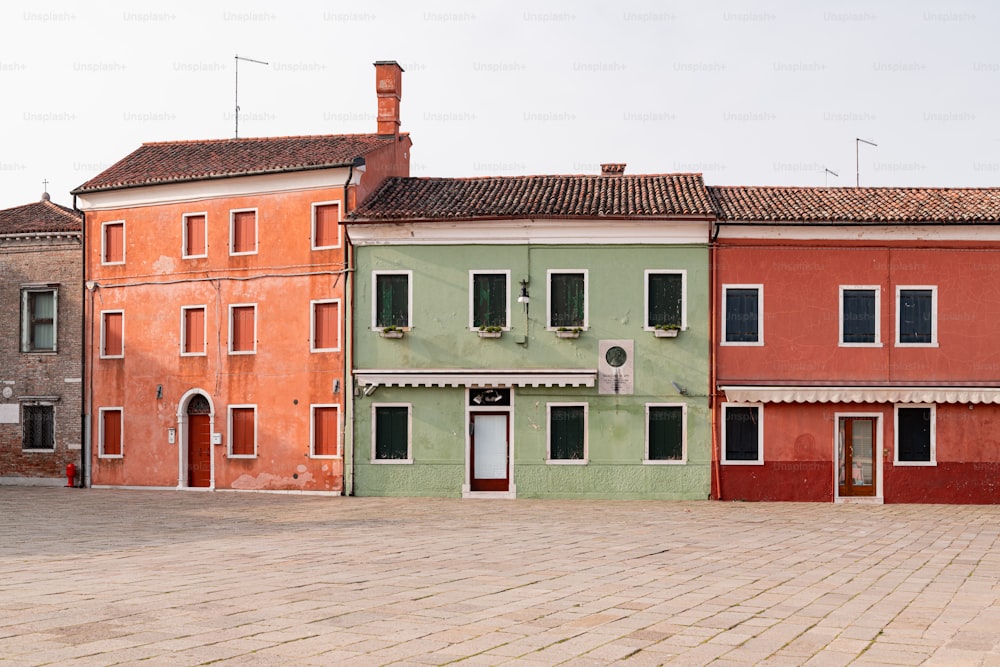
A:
(100, 577)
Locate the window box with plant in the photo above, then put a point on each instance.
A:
(568, 332)
(666, 330)
(490, 331)
(391, 332)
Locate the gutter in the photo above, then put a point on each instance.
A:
(347, 438)
(86, 387)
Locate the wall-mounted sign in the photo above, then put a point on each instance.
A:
(615, 366)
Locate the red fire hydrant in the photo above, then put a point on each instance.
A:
(70, 475)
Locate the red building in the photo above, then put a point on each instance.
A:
(215, 272)
(855, 345)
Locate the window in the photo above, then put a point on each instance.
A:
(393, 300)
(915, 435)
(243, 232)
(567, 432)
(38, 423)
(110, 444)
(743, 433)
(243, 329)
(192, 330)
(665, 303)
(916, 309)
(567, 299)
(112, 334)
(859, 315)
(113, 242)
(490, 303)
(38, 319)
(325, 225)
(325, 431)
(743, 306)
(242, 431)
(666, 433)
(391, 434)
(195, 233)
(325, 326)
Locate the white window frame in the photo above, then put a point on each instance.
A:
(229, 343)
(103, 334)
(760, 434)
(472, 295)
(100, 436)
(229, 432)
(760, 314)
(409, 434)
(312, 326)
(312, 431)
(340, 230)
(409, 297)
(232, 230)
(39, 404)
(878, 315)
(645, 296)
(586, 434)
(204, 333)
(104, 250)
(184, 234)
(548, 296)
(684, 434)
(26, 317)
(934, 314)
(895, 435)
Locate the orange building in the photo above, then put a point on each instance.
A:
(215, 274)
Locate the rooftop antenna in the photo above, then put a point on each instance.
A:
(857, 170)
(238, 58)
(826, 175)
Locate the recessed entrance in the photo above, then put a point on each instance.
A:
(489, 451)
(199, 442)
(856, 450)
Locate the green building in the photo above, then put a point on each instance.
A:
(541, 336)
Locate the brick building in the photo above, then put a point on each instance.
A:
(40, 358)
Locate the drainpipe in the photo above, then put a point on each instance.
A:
(716, 473)
(347, 382)
(85, 388)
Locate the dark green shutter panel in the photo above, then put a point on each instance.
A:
(666, 433)
(665, 299)
(567, 300)
(566, 432)
(392, 300)
(391, 433)
(489, 300)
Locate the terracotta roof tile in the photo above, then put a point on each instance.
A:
(179, 161)
(856, 205)
(537, 197)
(41, 216)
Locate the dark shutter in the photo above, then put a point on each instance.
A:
(666, 433)
(914, 436)
(665, 299)
(566, 432)
(39, 431)
(741, 434)
(567, 294)
(741, 315)
(859, 316)
(391, 433)
(489, 300)
(915, 316)
(392, 300)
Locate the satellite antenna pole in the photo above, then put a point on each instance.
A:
(237, 87)
(826, 175)
(857, 169)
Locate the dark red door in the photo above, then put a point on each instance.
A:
(199, 450)
(490, 452)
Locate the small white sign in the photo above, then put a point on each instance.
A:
(216, 438)
(9, 413)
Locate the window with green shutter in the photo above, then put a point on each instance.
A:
(392, 300)
(489, 300)
(567, 432)
(567, 299)
(392, 438)
(665, 299)
(666, 433)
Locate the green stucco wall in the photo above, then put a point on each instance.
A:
(440, 339)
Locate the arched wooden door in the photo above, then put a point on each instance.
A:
(199, 442)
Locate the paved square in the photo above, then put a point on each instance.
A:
(100, 577)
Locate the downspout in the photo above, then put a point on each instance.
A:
(347, 381)
(716, 490)
(85, 386)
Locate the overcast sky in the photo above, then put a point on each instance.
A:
(748, 93)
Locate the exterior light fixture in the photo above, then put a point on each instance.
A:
(523, 296)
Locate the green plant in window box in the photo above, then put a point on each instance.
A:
(490, 331)
(666, 330)
(568, 332)
(391, 331)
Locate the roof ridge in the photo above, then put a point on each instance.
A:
(178, 142)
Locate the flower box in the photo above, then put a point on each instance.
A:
(567, 334)
(391, 334)
(665, 333)
(490, 334)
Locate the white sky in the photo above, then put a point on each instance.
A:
(749, 93)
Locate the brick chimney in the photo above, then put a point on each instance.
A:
(613, 169)
(389, 88)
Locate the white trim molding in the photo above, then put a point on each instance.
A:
(860, 394)
(476, 377)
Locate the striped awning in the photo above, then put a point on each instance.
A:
(476, 378)
(847, 394)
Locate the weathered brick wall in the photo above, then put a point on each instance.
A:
(39, 261)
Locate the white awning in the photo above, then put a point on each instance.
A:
(772, 394)
(477, 378)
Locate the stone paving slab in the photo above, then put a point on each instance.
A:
(104, 577)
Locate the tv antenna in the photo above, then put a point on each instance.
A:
(857, 170)
(238, 58)
(826, 175)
